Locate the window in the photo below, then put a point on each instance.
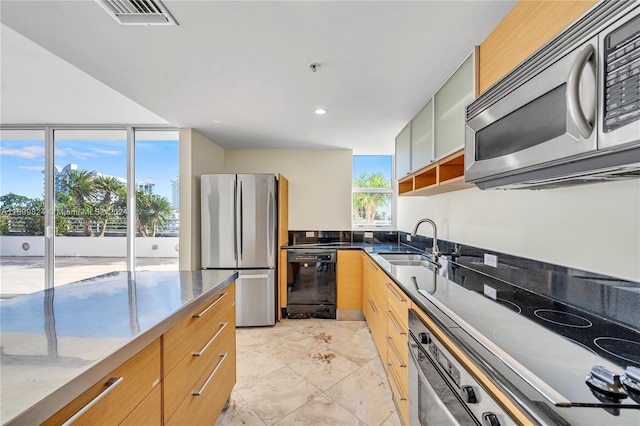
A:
(83, 176)
(373, 194)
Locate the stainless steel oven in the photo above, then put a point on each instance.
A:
(574, 103)
(441, 390)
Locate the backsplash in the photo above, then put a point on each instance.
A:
(608, 297)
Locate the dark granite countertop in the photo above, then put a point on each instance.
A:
(56, 343)
(480, 313)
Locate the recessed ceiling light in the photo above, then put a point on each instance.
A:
(321, 111)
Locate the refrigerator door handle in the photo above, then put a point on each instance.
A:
(271, 226)
(241, 214)
(235, 220)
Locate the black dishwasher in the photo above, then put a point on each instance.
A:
(311, 284)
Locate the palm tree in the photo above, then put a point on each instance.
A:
(108, 188)
(366, 203)
(80, 185)
(143, 207)
(159, 211)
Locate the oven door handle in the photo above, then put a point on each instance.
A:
(573, 92)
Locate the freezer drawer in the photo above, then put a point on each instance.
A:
(256, 298)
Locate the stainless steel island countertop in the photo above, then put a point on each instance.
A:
(57, 342)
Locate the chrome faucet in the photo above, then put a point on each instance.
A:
(435, 251)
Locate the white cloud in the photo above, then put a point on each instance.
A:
(32, 168)
(28, 152)
(83, 155)
(107, 151)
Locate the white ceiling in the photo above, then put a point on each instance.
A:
(238, 71)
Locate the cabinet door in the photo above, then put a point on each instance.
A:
(403, 152)
(422, 138)
(449, 103)
(349, 279)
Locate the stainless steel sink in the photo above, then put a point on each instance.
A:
(403, 257)
(406, 259)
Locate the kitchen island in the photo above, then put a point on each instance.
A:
(59, 343)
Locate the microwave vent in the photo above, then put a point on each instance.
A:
(138, 12)
(630, 171)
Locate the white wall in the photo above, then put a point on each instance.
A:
(591, 227)
(319, 183)
(198, 155)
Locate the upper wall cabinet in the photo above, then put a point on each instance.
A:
(437, 132)
(422, 137)
(450, 102)
(528, 26)
(403, 152)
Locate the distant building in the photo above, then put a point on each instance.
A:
(147, 185)
(59, 175)
(175, 191)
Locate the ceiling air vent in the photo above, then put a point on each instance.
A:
(138, 12)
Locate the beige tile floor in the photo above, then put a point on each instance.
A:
(309, 372)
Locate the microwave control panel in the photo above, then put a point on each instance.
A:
(622, 71)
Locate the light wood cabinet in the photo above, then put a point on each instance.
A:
(283, 240)
(387, 314)
(398, 305)
(118, 393)
(526, 28)
(183, 377)
(349, 280)
(193, 329)
(148, 412)
(200, 382)
(211, 390)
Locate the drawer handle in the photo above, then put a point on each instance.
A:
(401, 397)
(395, 324)
(375, 311)
(395, 293)
(393, 350)
(110, 384)
(201, 351)
(372, 267)
(215, 370)
(201, 314)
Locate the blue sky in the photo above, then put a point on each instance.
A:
(22, 162)
(372, 163)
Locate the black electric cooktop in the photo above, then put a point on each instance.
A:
(550, 345)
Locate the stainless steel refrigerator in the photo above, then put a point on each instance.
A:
(238, 223)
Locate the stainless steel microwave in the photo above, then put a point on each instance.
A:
(569, 114)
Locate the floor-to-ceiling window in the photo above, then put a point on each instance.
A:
(77, 180)
(158, 216)
(22, 241)
(90, 183)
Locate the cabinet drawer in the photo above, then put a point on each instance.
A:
(378, 327)
(148, 412)
(399, 302)
(214, 386)
(118, 393)
(397, 338)
(183, 379)
(399, 382)
(185, 336)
